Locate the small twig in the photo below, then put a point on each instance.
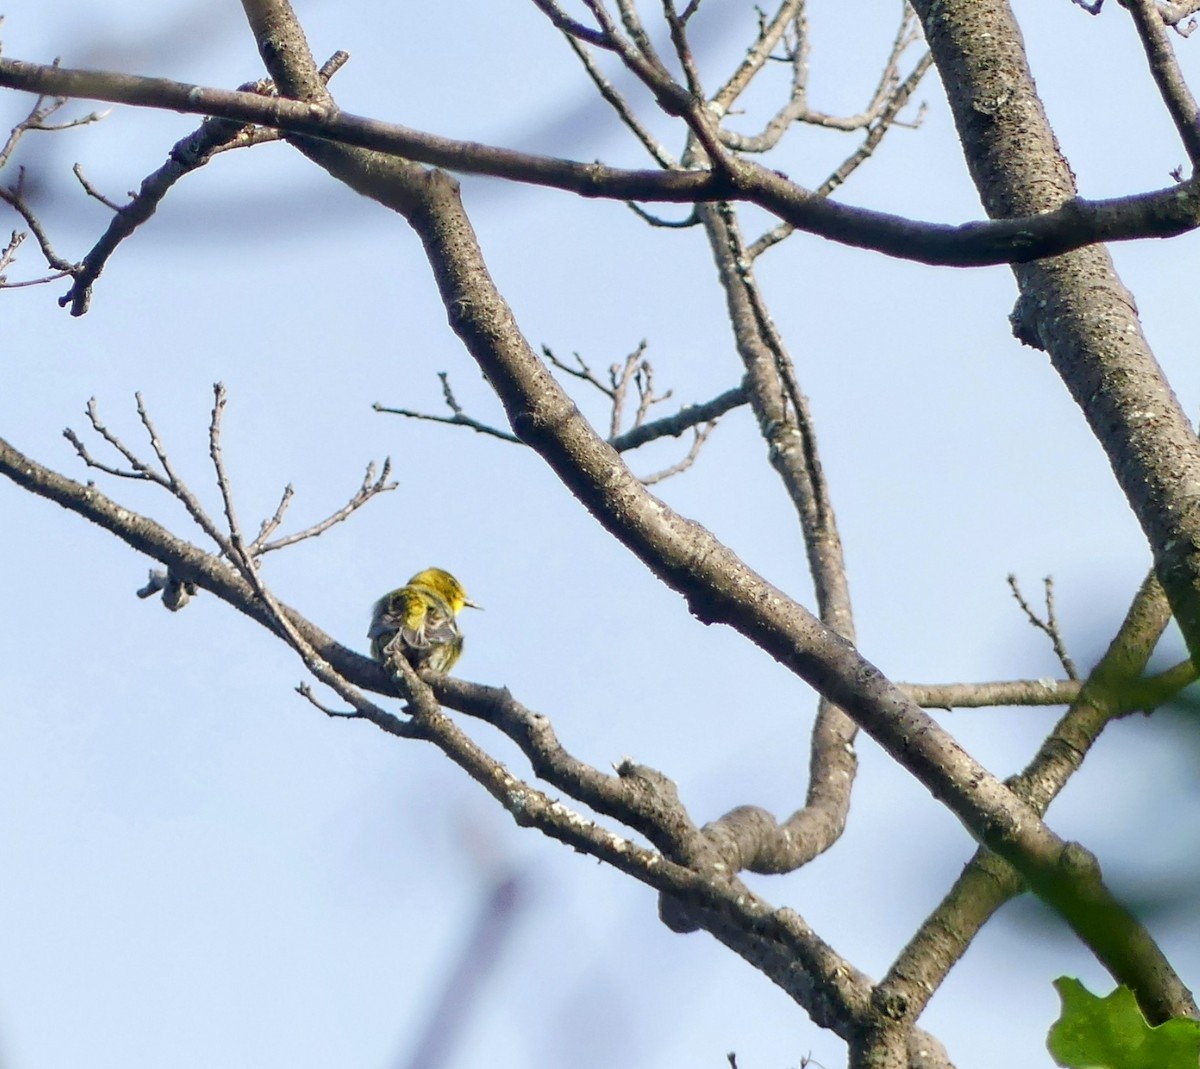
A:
(178, 488)
(619, 377)
(691, 219)
(371, 486)
(700, 435)
(240, 556)
(644, 380)
(333, 64)
(43, 108)
(457, 421)
(270, 526)
(459, 418)
(632, 22)
(92, 462)
(619, 104)
(9, 254)
(1049, 625)
(583, 372)
(677, 25)
(14, 197)
(138, 468)
(769, 35)
(91, 190)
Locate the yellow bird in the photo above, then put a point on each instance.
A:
(419, 617)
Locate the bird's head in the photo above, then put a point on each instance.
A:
(446, 587)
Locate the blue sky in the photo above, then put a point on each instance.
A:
(201, 869)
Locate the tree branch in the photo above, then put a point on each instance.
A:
(988, 882)
(1076, 308)
(1164, 68)
(1072, 225)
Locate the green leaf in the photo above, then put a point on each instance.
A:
(1111, 1033)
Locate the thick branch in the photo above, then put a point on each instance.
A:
(789, 436)
(988, 882)
(1070, 225)
(721, 588)
(1074, 306)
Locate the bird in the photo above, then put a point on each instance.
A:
(419, 618)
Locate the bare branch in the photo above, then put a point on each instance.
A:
(988, 882)
(687, 418)
(775, 940)
(9, 253)
(1174, 13)
(91, 190)
(687, 222)
(213, 137)
(797, 109)
(620, 105)
(1164, 68)
(677, 25)
(1049, 625)
(1077, 223)
(14, 198)
(372, 485)
(699, 437)
(769, 35)
(888, 118)
(571, 27)
(582, 372)
(42, 109)
(980, 695)
(459, 418)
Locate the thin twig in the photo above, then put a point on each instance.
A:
(43, 108)
(683, 50)
(177, 486)
(769, 35)
(458, 418)
(240, 556)
(699, 437)
(582, 372)
(690, 220)
(620, 105)
(91, 190)
(371, 486)
(1049, 625)
(888, 119)
(14, 197)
